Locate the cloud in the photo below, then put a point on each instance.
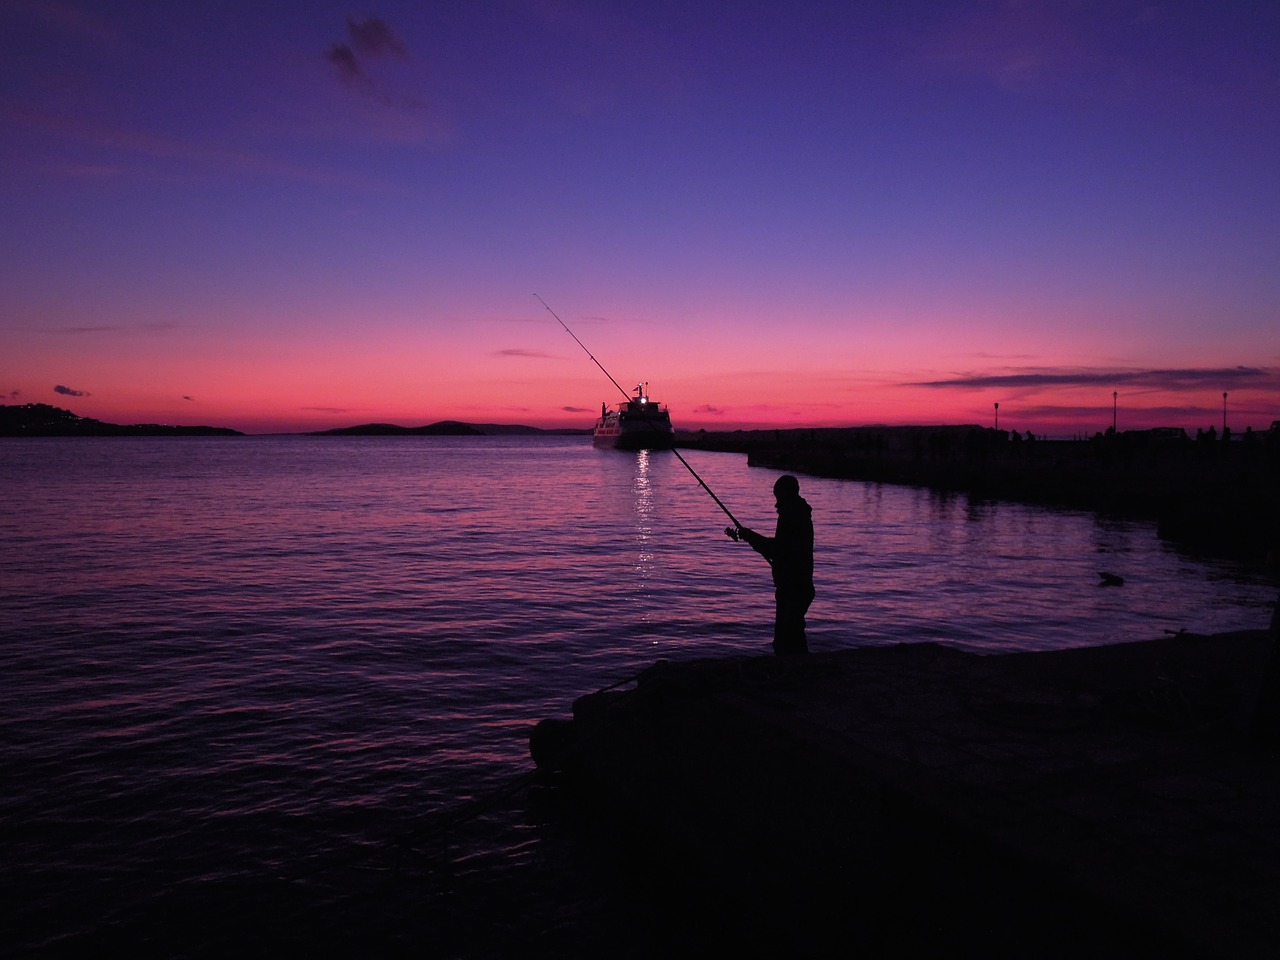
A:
(517, 352)
(70, 20)
(199, 156)
(372, 39)
(185, 397)
(68, 392)
(329, 409)
(120, 328)
(1166, 379)
(1164, 413)
(576, 410)
(375, 38)
(1017, 46)
(1088, 419)
(344, 58)
(13, 394)
(1112, 53)
(99, 329)
(707, 408)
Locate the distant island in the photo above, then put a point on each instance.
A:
(43, 420)
(446, 428)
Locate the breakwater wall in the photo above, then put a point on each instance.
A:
(1213, 496)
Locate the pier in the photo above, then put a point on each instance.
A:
(918, 800)
(1213, 496)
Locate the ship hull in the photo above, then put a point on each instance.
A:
(634, 441)
(655, 433)
(638, 424)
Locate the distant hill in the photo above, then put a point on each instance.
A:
(42, 420)
(444, 428)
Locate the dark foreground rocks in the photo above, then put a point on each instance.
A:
(1106, 801)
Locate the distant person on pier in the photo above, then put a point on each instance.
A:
(790, 553)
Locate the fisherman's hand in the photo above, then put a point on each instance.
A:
(733, 533)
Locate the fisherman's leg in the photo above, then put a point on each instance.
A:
(788, 626)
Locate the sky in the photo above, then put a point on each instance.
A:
(294, 216)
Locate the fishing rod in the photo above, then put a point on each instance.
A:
(584, 347)
(703, 483)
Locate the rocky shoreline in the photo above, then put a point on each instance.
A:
(917, 800)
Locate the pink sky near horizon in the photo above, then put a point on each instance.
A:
(311, 216)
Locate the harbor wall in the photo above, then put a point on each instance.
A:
(1212, 496)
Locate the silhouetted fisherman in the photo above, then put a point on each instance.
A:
(790, 553)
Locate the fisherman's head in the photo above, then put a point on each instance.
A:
(786, 487)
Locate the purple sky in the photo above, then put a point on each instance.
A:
(302, 215)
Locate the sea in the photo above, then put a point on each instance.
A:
(274, 694)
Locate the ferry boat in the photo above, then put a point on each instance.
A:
(638, 424)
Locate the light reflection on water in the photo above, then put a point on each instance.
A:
(236, 631)
(642, 497)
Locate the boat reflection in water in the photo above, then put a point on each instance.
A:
(638, 424)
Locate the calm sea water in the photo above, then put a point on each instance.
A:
(295, 671)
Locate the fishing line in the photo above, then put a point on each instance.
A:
(584, 347)
(628, 397)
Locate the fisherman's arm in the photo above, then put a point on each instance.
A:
(760, 544)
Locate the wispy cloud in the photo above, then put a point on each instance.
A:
(373, 37)
(154, 327)
(1082, 418)
(68, 392)
(518, 352)
(71, 20)
(210, 158)
(576, 410)
(1159, 379)
(369, 39)
(619, 50)
(344, 60)
(1164, 413)
(710, 410)
(1020, 46)
(13, 395)
(1036, 48)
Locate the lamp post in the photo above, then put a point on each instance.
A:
(1224, 414)
(1115, 403)
(997, 416)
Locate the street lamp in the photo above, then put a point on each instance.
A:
(1224, 413)
(997, 416)
(1115, 403)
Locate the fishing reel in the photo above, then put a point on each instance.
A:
(732, 533)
